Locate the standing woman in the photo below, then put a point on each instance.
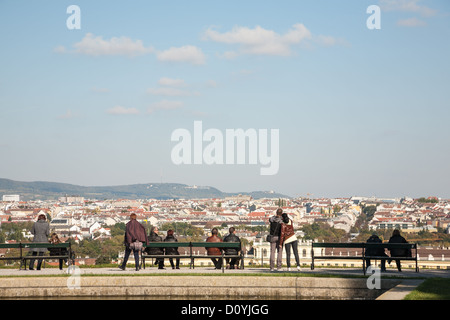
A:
(40, 231)
(289, 239)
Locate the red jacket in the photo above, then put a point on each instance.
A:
(214, 251)
(287, 231)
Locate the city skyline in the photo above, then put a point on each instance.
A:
(360, 112)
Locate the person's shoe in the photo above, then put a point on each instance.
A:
(178, 268)
(122, 268)
(272, 270)
(298, 268)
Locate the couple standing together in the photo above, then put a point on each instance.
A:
(282, 233)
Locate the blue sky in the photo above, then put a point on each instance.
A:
(359, 111)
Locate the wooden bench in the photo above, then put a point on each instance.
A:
(191, 255)
(363, 256)
(23, 256)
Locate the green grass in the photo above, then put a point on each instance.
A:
(431, 289)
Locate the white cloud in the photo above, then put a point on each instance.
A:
(407, 6)
(172, 92)
(172, 82)
(119, 110)
(165, 105)
(411, 22)
(260, 41)
(191, 54)
(96, 46)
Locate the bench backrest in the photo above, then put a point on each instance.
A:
(193, 244)
(29, 245)
(364, 245)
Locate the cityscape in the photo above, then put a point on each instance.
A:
(84, 221)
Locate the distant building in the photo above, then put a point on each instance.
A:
(11, 198)
(71, 199)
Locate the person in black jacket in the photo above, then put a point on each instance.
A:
(172, 250)
(232, 263)
(154, 237)
(397, 238)
(375, 252)
(276, 252)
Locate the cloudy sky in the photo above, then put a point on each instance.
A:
(359, 111)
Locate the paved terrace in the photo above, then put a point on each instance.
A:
(205, 282)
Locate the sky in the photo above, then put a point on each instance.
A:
(93, 97)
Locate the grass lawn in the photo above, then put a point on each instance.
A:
(431, 289)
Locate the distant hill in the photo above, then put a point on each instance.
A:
(41, 190)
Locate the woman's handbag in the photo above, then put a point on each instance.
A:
(137, 245)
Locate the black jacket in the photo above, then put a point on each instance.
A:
(232, 238)
(399, 252)
(171, 251)
(154, 238)
(374, 251)
(275, 226)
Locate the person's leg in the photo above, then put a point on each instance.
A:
(125, 258)
(399, 266)
(31, 266)
(279, 256)
(273, 249)
(178, 263)
(136, 259)
(61, 264)
(287, 247)
(39, 263)
(295, 251)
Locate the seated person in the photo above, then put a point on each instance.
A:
(215, 251)
(154, 237)
(232, 263)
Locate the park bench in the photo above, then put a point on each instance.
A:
(190, 255)
(23, 254)
(362, 256)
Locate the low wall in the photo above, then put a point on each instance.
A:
(191, 287)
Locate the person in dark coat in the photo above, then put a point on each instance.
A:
(40, 231)
(154, 237)
(215, 251)
(135, 236)
(172, 250)
(275, 231)
(232, 263)
(397, 238)
(375, 252)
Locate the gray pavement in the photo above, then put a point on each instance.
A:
(407, 273)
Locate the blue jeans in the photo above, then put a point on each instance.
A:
(127, 255)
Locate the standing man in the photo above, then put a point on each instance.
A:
(232, 263)
(275, 232)
(135, 235)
